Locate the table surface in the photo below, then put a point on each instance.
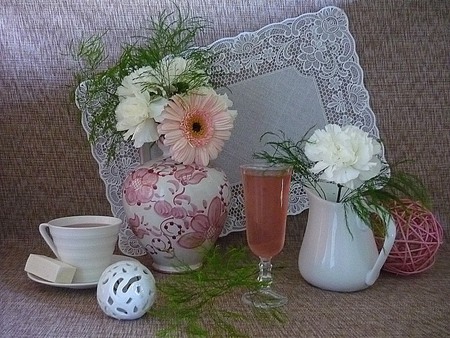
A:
(395, 305)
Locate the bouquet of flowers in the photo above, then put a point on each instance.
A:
(159, 89)
(349, 159)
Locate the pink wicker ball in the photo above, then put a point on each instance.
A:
(418, 238)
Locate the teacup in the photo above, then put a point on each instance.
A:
(85, 242)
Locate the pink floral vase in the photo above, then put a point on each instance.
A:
(176, 211)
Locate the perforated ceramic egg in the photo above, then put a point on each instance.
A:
(126, 290)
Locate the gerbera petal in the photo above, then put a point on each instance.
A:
(188, 155)
(222, 134)
(166, 126)
(180, 143)
(184, 154)
(201, 157)
(224, 123)
(212, 150)
(195, 126)
(172, 136)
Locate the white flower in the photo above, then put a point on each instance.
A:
(143, 96)
(172, 68)
(137, 115)
(139, 107)
(347, 155)
(170, 71)
(137, 82)
(175, 70)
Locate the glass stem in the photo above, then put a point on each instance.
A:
(265, 272)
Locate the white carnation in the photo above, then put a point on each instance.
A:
(137, 115)
(172, 68)
(228, 103)
(137, 82)
(347, 155)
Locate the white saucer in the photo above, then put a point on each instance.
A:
(115, 258)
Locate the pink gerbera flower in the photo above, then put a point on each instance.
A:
(196, 125)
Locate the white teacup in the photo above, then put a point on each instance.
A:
(86, 242)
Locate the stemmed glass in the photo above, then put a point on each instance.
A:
(266, 199)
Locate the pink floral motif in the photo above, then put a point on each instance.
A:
(166, 215)
(165, 209)
(140, 186)
(189, 175)
(179, 212)
(134, 224)
(205, 227)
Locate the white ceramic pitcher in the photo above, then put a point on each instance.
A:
(338, 251)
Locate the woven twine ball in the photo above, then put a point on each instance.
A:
(418, 238)
(126, 290)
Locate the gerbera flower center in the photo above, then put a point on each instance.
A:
(197, 128)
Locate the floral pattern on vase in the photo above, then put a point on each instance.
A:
(176, 211)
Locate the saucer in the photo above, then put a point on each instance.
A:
(88, 285)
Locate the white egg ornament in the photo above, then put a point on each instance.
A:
(126, 290)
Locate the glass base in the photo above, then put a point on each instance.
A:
(264, 299)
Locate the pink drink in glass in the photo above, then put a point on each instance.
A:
(266, 194)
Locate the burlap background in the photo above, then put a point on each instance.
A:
(46, 167)
(47, 171)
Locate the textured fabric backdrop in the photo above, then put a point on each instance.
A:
(46, 167)
(47, 171)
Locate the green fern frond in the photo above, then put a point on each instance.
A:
(375, 195)
(171, 35)
(192, 300)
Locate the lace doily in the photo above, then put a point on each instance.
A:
(301, 73)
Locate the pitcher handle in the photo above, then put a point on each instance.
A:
(43, 229)
(389, 239)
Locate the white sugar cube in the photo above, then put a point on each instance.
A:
(50, 269)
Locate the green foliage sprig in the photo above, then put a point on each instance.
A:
(375, 195)
(189, 302)
(171, 34)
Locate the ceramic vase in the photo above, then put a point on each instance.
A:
(338, 252)
(176, 211)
